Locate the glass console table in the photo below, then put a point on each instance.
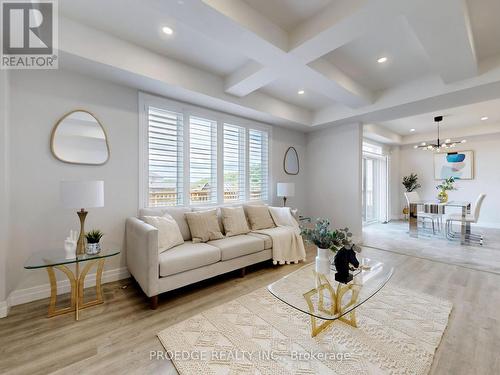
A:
(50, 259)
(323, 298)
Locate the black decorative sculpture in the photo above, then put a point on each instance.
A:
(343, 259)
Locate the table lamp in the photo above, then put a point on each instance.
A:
(285, 190)
(82, 194)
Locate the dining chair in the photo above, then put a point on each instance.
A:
(469, 219)
(412, 197)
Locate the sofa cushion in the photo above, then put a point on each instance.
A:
(237, 246)
(178, 213)
(282, 216)
(268, 241)
(186, 257)
(204, 225)
(219, 215)
(169, 234)
(259, 217)
(235, 221)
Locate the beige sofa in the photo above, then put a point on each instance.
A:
(190, 262)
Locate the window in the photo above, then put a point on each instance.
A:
(194, 156)
(165, 150)
(202, 160)
(258, 164)
(234, 163)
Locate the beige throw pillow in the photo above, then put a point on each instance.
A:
(259, 217)
(234, 220)
(282, 217)
(169, 234)
(204, 226)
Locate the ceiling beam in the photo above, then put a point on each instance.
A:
(451, 50)
(231, 23)
(135, 66)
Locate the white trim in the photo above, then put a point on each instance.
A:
(481, 224)
(20, 296)
(4, 309)
(187, 110)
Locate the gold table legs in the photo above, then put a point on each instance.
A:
(77, 282)
(336, 306)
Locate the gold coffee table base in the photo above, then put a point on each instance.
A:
(335, 308)
(77, 282)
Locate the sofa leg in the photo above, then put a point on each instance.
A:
(153, 302)
(243, 271)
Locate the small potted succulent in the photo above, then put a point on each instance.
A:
(446, 185)
(327, 241)
(93, 246)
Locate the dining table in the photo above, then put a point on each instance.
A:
(439, 208)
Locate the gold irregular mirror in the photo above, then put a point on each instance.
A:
(79, 138)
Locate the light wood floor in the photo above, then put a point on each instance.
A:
(117, 337)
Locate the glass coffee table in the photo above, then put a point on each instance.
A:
(50, 259)
(323, 298)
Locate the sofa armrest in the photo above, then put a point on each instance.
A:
(142, 254)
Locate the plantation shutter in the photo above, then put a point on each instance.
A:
(258, 164)
(203, 160)
(234, 163)
(165, 150)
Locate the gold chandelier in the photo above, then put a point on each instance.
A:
(438, 146)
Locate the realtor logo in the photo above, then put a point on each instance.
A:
(29, 34)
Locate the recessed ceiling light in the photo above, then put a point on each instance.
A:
(382, 60)
(167, 30)
(301, 92)
(484, 118)
(412, 130)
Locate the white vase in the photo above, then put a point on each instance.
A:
(323, 261)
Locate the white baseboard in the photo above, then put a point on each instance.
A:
(20, 296)
(4, 309)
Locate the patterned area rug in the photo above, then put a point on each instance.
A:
(398, 333)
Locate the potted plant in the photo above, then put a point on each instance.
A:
(446, 185)
(93, 246)
(327, 241)
(410, 183)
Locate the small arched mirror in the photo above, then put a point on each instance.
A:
(291, 161)
(79, 138)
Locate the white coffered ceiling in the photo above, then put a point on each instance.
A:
(250, 57)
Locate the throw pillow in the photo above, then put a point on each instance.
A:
(259, 217)
(283, 217)
(204, 226)
(234, 220)
(169, 234)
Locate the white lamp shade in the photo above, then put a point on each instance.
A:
(285, 189)
(82, 194)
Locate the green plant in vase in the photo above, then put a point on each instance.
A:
(327, 241)
(446, 185)
(93, 245)
(410, 183)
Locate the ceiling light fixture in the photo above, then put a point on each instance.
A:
(412, 130)
(301, 92)
(484, 118)
(438, 146)
(382, 60)
(167, 30)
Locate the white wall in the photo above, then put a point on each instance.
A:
(38, 100)
(38, 221)
(486, 177)
(282, 139)
(4, 213)
(333, 167)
